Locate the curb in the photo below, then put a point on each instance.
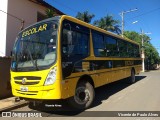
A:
(15, 106)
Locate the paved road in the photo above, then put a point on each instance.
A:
(144, 95)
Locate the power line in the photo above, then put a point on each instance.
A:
(61, 4)
(122, 15)
(75, 11)
(11, 15)
(142, 24)
(145, 13)
(15, 17)
(21, 20)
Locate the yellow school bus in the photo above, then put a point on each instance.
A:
(65, 58)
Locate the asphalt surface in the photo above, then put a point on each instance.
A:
(118, 96)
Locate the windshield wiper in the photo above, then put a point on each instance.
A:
(34, 63)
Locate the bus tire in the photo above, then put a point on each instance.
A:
(132, 77)
(84, 96)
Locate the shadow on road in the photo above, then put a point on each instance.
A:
(61, 107)
(104, 92)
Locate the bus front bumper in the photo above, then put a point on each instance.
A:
(37, 92)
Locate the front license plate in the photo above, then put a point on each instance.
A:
(24, 89)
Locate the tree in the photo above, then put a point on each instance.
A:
(85, 16)
(151, 54)
(50, 13)
(108, 23)
(136, 36)
(133, 36)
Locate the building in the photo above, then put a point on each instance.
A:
(12, 13)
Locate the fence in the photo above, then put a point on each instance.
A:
(5, 86)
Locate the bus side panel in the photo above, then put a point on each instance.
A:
(68, 87)
(108, 76)
(69, 84)
(103, 77)
(128, 71)
(138, 69)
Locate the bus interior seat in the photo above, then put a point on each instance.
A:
(50, 56)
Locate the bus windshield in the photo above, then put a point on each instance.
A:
(35, 47)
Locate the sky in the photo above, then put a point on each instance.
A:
(147, 15)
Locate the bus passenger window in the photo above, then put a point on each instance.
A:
(122, 45)
(130, 50)
(111, 46)
(98, 42)
(136, 51)
(75, 44)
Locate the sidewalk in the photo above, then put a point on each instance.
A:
(10, 104)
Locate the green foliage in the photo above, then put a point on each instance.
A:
(50, 13)
(85, 16)
(151, 54)
(136, 37)
(133, 36)
(108, 23)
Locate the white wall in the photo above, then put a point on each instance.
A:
(22, 9)
(3, 24)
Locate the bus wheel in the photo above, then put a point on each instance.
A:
(132, 77)
(84, 96)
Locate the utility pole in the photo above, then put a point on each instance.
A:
(143, 54)
(122, 15)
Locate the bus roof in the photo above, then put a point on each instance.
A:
(96, 28)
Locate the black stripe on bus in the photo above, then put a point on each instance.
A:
(27, 77)
(104, 64)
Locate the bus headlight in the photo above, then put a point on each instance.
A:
(51, 78)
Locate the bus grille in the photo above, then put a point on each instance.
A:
(29, 80)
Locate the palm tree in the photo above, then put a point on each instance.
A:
(85, 16)
(50, 13)
(108, 23)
